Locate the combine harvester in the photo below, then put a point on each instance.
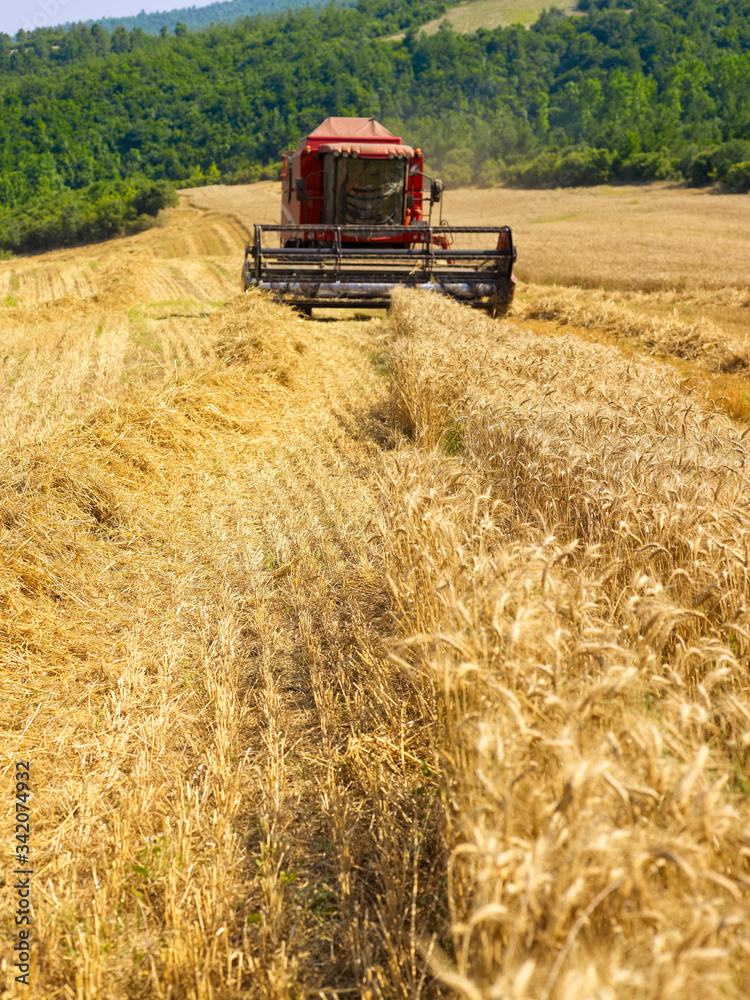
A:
(356, 222)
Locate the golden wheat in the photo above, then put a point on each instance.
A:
(670, 336)
(336, 684)
(575, 581)
(125, 669)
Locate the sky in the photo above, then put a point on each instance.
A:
(30, 14)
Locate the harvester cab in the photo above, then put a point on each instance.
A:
(357, 222)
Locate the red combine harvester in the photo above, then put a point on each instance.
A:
(356, 222)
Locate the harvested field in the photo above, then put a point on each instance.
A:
(630, 237)
(399, 657)
(655, 237)
(472, 15)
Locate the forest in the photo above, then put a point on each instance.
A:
(92, 121)
(199, 18)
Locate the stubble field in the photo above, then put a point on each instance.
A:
(399, 656)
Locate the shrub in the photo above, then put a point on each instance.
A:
(737, 179)
(251, 173)
(698, 169)
(109, 216)
(584, 167)
(151, 198)
(139, 224)
(711, 166)
(647, 167)
(100, 211)
(577, 168)
(537, 173)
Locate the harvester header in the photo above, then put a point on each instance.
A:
(356, 222)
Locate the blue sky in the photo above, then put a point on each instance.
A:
(28, 14)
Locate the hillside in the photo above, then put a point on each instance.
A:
(473, 15)
(199, 18)
(380, 656)
(650, 92)
(465, 17)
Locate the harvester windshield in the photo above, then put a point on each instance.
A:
(364, 191)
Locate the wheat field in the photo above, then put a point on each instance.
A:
(400, 656)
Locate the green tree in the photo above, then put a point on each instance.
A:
(120, 40)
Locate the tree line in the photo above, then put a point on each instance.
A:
(199, 18)
(620, 93)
